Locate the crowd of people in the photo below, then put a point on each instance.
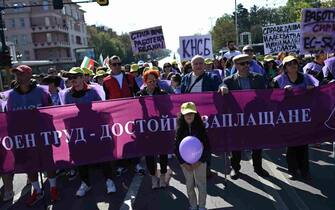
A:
(234, 70)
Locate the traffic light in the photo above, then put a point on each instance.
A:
(103, 2)
(57, 4)
(5, 60)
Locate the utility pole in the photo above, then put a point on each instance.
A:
(236, 28)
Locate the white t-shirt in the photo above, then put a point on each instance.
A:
(231, 54)
(197, 88)
(119, 78)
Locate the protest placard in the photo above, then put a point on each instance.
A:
(318, 30)
(147, 40)
(281, 38)
(190, 46)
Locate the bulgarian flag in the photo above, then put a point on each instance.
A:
(87, 63)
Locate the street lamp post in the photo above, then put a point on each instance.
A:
(236, 28)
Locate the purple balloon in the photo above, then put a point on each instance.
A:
(191, 149)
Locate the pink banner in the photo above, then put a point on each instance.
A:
(64, 136)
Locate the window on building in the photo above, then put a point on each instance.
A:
(22, 22)
(47, 21)
(68, 53)
(12, 23)
(26, 55)
(15, 40)
(78, 40)
(75, 15)
(49, 37)
(68, 10)
(23, 39)
(45, 5)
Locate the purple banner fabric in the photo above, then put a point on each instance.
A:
(64, 136)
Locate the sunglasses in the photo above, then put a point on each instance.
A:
(244, 63)
(291, 63)
(116, 64)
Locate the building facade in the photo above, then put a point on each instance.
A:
(42, 33)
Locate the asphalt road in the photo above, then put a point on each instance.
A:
(248, 192)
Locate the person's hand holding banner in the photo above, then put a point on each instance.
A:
(191, 149)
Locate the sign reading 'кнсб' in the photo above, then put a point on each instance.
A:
(190, 46)
(147, 40)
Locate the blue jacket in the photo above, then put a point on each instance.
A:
(254, 67)
(210, 82)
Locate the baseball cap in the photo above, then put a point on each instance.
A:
(288, 59)
(140, 63)
(247, 47)
(134, 67)
(23, 69)
(100, 73)
(188, 107)
(208, 61)
(75, 70)
(241, 58)
(88, 71)
(268, 58)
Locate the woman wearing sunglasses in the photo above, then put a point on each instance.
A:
(150, 80)
(297, 156)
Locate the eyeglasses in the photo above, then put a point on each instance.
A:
(116, 64)
(244, 63)
(167, 66)
(247, 50)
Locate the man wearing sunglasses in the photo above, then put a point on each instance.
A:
(244, 79)
(79, 93)
(121, 85)
(254, 65)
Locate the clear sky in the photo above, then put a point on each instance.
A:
(177, 17)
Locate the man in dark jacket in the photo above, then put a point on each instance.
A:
(198, 80)
(243, 80)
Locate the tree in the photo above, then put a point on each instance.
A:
(243, 21)
(107, 42)
(222, 32)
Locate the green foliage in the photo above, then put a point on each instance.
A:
(222, 32)
(255, 18)
(109, 43)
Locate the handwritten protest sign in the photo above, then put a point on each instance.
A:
(147, 40)
(281, 38)
(195, 45)
(318, 30)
